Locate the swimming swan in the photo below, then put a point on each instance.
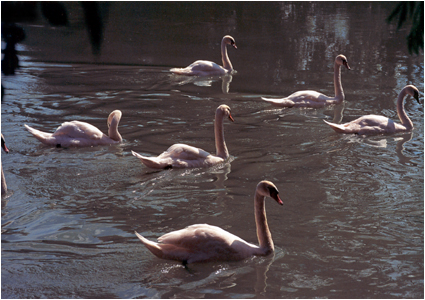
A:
(209, 68)
(185, 156)
(81, 134)
(313, 98)
(374, 124)
(203, 242)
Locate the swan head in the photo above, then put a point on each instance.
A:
(341, 60)
(412, 91)
(115, 115)
(3, 144)
(224, 110)
(267, 189)
(227, 39)
(113, 121)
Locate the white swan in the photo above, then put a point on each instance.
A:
(209, 68)
(185, 156)
(313, 98)
(374, 124)
(203, 242)
(3, 180)
(81, 134)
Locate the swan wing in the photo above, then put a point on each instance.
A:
(186, 152)
(370, 124)
(207, 242)
(179, 156)
(77, 129)
(185, 156)
(302, 99)
(201, 68)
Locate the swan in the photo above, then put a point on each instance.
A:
(209, 68)
(374, 124)
(81, 134)
(185, 156)
(3, 180)
(203, 242)
(313, 98)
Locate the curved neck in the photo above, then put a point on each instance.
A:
(339, 93)
(404, 119)
(220, 144)
(224, 57)
(3, 182)
(113, 130)
(263, 232)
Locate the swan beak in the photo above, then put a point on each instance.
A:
(3, 145)
(346, 65)
(278, 200)
(231, 118)
(416, 96)
(274, 194)
(234, 45)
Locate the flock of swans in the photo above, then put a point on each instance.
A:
(202, 242)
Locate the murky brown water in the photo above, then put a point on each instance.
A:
(352, 221)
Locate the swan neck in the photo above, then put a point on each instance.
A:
(220, 144)
(113, 130)
(339, 93)
(3, 182)
(224, 57)
(404, 119)
(263, 232)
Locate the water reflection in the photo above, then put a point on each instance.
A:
(203, 81)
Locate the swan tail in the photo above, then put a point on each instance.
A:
(43, 137)
(339, 128)
(152, 246)
(181, 71)
(151, 162)
(279, 102)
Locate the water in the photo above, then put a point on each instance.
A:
(352, 221)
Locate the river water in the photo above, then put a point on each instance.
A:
(352, 221)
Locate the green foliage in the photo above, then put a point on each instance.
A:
(413, 11)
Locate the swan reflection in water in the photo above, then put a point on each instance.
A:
(382, 142)
(204, 81)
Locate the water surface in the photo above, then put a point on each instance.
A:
(352, 221)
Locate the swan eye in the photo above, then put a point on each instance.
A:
(273, 192)
(416, 96)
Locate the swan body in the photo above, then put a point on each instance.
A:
(3, 180)
(375, 124)
(209, 68)
(185, 156)
(203, 242)
(312, 98)
(81, 134)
